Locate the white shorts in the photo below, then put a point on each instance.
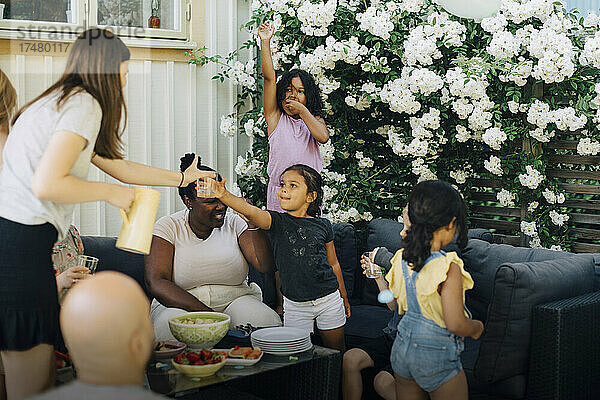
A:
(328, 310)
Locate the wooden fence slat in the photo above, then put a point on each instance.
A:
(482, 182)
(585, 219)
(584, 233)
(490, 210)
(484, 196)
(586, 248)
(495, 224)
(569, 174)
(507, 239)
(562, 144)
(571, 159)
(581, 189)
(583, 203)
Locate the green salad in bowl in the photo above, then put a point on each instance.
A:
(200, 330)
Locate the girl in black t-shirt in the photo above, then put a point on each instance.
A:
(311, 277)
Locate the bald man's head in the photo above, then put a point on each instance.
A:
(105, 321)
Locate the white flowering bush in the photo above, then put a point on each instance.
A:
(412, 93)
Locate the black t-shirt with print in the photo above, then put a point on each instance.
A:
(301, 257)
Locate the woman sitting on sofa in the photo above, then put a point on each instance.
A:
(199, 259)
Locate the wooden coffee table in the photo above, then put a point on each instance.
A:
(314, 374)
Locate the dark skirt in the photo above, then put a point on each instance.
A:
(28, 295)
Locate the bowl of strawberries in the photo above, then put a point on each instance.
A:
(199, 363)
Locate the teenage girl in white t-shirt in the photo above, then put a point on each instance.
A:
(46, 159)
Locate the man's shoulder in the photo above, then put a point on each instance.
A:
(79, 390)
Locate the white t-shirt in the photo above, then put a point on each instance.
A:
(216, 260)
(28, 139)
(78, 390)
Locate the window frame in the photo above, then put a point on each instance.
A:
(87, 17)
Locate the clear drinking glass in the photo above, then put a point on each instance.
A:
(87, 261)
(206, 187)
(372, 270)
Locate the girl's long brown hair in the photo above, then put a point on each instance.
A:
(8, 98)
(94, 66)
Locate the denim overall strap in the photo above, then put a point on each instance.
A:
(410, 283)
(411, 291)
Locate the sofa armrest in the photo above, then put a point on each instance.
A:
(565, 349)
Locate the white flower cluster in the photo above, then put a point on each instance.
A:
(532, 178)
(325, 56)
(279, 6)
(494, 137)
(506, 198)
(588, 147)
(420, 169)
(472, 102)
(333, 177)
(462, 134)
(411, 6)
(252, 128)
(399, 97)
(327, 85)
(557, 218)
(591, 20)
(529, 228)
(532, 206)
(494, 24)
(460, 176)
(375, 64)
(327, 153)
(377, 21)
(316, 18)
(494, 165)
(329, 193)
(539, 114)
(504, 45)
(336, 215)
(421, 45)
(517, 72)
(553, 198)
(421, 126)
(228, 125)
(591, 51)
(518, 11)
(541, 135)
(555, 54)
(248, 167)
(363, 162)
(241, 74)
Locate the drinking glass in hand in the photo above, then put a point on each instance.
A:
(87, 261)
(372, 270)
(206, 187)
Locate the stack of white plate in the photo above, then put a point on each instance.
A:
(281, 341)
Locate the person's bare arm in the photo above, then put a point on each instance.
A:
(52, 179)
(316, 126)
(272, 113)
(140, 174)
(453, 307)
(255, 215)
(337, 270)
(256, 248)
(159, 278)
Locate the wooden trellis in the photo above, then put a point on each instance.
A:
(582, 186)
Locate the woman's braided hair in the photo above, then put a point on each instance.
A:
(431, 205)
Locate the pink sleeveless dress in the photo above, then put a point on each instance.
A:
(290, 143)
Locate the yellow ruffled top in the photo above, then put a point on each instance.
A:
(431, 275)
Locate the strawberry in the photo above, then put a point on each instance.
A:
(193, 357)
(206, 354)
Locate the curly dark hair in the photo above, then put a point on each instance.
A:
(314, 102)
(432, 205)
(314, 183)
(189, 191)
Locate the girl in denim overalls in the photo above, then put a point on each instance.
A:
(429, 287)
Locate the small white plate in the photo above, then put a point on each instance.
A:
(240, 361)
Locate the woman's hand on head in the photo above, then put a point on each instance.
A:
(266, 30)
(71, 276)
(192, 173)
(121, 197)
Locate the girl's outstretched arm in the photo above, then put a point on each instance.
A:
(453, 306)
(272, 113)
(337, 270)
(255, 215)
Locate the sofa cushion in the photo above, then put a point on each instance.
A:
(113, 259)
(344, 239)
(482, 259)
(367, 322)
(517, 288)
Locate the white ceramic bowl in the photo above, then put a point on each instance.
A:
(200, 336)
